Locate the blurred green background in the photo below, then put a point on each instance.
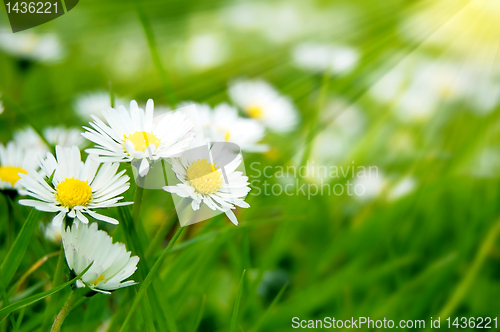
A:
(420, 103)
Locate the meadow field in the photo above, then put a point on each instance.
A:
(367, 184)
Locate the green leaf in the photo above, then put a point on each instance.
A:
(234, 319)
(16, 252)
(40, 296)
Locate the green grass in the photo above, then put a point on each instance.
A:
(434, 252)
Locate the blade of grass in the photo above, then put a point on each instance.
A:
(32, 269)
(155, 54)
(16, 253)
(20, 319)
(200, 315)
(35, 298)
(149, 278)
(28, 291)
(234, 318)
(6, 301)
(51, 310)
(316, 117)
(167, 225)
(463, 287)
(148, 319)
(270, 308)
(135, 243)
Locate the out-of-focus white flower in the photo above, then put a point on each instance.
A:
(284, 21)
(45, 48)
(342, 125)
(52, 233)
(76, 187)
(369, 186)
(485, 164)
(346, 118)
(64, 137)
(402, 188)
(111, 262)
(417, 86)
(126, 59)
(206, 51)
(415, 105)
(90, 104)
(245, 15)
(222, 124)
(28, 139)
(15, 160)
(278, 22)
(135, 136)
(162, 110)
(259, 100)
(484, 96)
(203, 182)
(319, 58)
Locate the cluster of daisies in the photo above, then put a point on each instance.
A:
(74, 189)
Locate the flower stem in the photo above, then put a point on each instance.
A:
(139, 190)
(70, 303)
(56, 281)
(9, 225)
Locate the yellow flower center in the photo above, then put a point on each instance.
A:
(446, 91)
(142, 140)
(73, 192)
(227, 134)
(98, 280)
(204, 177)
(11, 174)
(254, 111)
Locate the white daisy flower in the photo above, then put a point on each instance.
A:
(15, 160)
(222, 124)
(417, 87)
(319, 58)
(261, 101)
(112, 263)
(402, 188)
(206, 51)
(52, 233)
(90, 104)
(28, 139)
(368, 187)
(135, 136)
(204, 183)
(76, 187)
(44, 48)
(64, 136)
